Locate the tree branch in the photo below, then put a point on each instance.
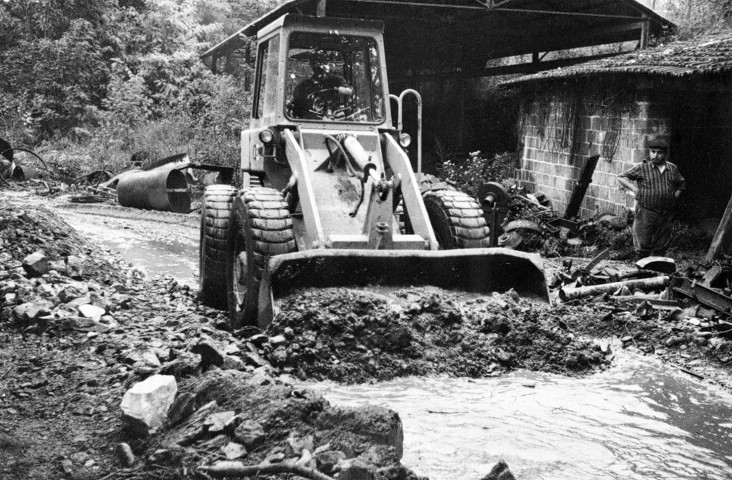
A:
(238, 469)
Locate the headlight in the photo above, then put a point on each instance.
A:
(405, 140)
(266, 136)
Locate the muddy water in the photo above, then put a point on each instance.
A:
(156, 248)
(638, 420)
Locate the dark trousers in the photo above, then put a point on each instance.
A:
(651, 231)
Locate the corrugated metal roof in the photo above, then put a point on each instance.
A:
(709, 55)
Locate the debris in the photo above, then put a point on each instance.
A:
(689, 372)
(658, 264)
(568, 293)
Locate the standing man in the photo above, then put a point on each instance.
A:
(656, 185)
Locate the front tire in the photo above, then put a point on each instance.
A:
(457, 220)
(215, 218)
(261, 228)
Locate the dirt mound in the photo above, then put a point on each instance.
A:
(25, 230)
(358, 336)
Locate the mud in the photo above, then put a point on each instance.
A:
(356, 336)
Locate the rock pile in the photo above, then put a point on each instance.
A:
(88, 346)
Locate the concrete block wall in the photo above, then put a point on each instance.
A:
(553, 169)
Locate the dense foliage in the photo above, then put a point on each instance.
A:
(89, 82)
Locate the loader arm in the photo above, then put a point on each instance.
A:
(398, 160)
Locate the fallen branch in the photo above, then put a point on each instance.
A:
(689, 372)
(567, 294)
(239, 470)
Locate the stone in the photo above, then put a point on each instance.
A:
(57, 265)
(83, 300)
(183, 407)
(210, 355)
(72, 291)
(10, 298)
(674, 340)
(38, 309)
(146, 404)
(36, 264)
(716, 342)
(298, 443)
(259, 378)
(250, 433)
(142, 357)
(217, 422)
(121, 300)
(124, 454)
(233, 363)
(233, 450)
(91, 311)
(381, 425)
(355, 469)
(74, 267)
(326, 461)
(277, 341)
(279, 356)
(500, 471)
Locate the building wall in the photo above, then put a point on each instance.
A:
(561, 127)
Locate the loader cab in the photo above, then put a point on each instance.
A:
(321, 73)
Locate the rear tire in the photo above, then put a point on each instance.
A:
(215, 214)
(261, 228)
(457, 220)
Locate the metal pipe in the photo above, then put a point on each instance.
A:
(416, 94)
(164, 188)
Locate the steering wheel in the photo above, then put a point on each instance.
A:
(319, 105)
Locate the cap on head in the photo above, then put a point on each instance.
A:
(657, 143)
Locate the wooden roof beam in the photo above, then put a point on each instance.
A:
(487, 8)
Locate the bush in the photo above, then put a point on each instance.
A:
(468, 174)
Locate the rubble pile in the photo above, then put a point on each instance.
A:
(678, 316)
(87, 345)
(358, 336)
(107, 374)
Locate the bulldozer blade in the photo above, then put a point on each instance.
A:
(479, 270)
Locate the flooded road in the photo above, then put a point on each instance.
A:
(156, 243)
(638, 420)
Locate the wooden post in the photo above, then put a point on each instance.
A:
(578, 194)
(645, 32)
(723, 236)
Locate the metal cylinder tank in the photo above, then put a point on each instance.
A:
(164, 188)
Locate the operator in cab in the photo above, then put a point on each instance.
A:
(325, 95)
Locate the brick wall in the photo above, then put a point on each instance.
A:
(561, 129)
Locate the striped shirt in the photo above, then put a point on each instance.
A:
(656, 188)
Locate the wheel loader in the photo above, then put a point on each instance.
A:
(327, 194)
